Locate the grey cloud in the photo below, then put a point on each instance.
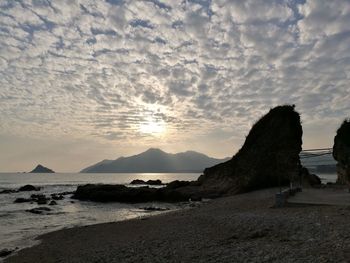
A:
(102, 67)
(160, 4)
(141, 23)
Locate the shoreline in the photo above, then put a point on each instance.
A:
(240, 228)
(35, 239)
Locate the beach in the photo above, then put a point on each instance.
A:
(241, 228)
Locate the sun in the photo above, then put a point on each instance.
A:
(152, 127)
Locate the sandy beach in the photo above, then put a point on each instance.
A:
(241, 228)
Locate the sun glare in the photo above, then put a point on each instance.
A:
(152, 127)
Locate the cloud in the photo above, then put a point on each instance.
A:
(99, 68)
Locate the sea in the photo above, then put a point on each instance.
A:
(19, 228)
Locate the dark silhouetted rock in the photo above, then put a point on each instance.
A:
(41, 199)
(5, 252)
(138, 181)
(268, 158)
(53, 202)
(28, 187)
(116, 193)
(149, 182)
(23, 200)
(341, 152)
(41, 169)
(121, 193)
(308, 178)
(154, 182)
(39, 210)
(57, 197)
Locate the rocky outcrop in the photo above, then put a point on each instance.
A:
(5, 252)
(41, 169)
(42, 199)
(309, 179)
(149, 182)
(268, 158)
(39, 210)
(28, 187)
(121, 193)
(341, 152)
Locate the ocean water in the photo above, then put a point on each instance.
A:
(328, 177)
(18, 228)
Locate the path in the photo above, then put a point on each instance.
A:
(325, 196)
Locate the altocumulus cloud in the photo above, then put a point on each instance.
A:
(202, 67)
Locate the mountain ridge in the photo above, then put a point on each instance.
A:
(155, 160)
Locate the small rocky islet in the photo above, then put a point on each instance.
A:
(41, 169)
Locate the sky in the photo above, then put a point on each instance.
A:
(83, 81)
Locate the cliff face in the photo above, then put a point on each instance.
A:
(341, 152)
(269, 156)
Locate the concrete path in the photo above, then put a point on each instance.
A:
(323, 196)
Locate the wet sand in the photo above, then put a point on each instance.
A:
(241, 228)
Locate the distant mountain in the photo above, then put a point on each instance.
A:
(156, 161)
(41, 169)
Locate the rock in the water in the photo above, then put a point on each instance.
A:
(57, 196)
(121, 193)
(23, 200)
(116, 193)
(268, 158)
(138, 181)
(39, 210)
(154, 182)
(149, 182)
(41, 169)
(53, 202)
(341, 152)
(5, 252)
(41, 199)
(28, 187)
